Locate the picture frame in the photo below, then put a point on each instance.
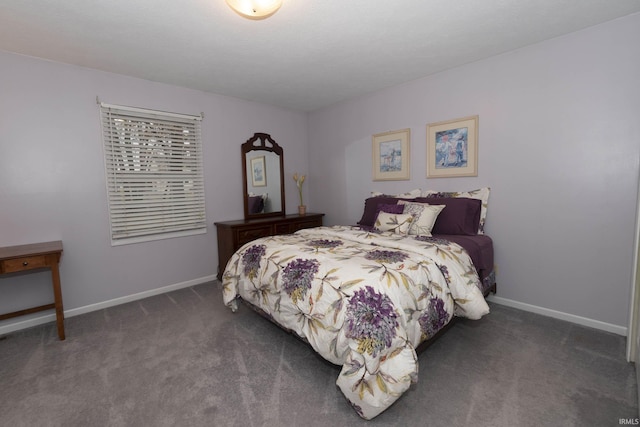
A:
(258, 172)
(452, 148)
(391, 155)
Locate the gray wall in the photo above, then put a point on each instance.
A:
(558, 145)
(52, 181)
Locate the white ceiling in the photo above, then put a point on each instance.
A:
(309, 55)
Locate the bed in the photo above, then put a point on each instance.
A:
(366, 296)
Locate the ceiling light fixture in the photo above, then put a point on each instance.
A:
(255, 9)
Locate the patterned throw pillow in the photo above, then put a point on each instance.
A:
(424, 216)
(398, 223)
(481, 193)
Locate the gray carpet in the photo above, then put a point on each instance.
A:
(183, 359)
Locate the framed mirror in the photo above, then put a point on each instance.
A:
(263, 177)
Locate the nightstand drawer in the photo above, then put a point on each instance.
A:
(22, 264)
(246, 235)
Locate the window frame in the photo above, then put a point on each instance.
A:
(154, 174)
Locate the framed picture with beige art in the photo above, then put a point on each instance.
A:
(391, 151)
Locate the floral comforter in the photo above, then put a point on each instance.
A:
(362, 300)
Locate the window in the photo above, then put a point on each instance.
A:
(155, 182)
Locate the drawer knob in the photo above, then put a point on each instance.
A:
(25, 263)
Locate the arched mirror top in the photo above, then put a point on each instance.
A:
(263, 177)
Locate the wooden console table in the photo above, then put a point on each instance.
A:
(15, 259)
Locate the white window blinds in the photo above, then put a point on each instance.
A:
(154, 173)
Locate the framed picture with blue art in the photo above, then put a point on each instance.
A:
(258, 172)
(391, 155)
(452, 148)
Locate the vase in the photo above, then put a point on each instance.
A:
(302, 210)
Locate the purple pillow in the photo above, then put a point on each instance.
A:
(371, 208)
(461, 215)
(256, 204)
(392, 209)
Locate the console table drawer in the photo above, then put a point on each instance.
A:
(246, 235)
(22, 264)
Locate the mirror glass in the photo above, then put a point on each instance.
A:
(263, 166)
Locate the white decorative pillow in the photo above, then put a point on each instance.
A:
(408, 195)
(424, 216)
(481, 193)
(398, 223)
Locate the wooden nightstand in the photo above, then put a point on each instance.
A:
(17, 259)
(233, 234)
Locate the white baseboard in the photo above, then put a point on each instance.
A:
(596, 324)
(105, 304)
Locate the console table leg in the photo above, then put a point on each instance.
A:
(57, 294)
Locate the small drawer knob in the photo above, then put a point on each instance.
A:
(25, 263)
